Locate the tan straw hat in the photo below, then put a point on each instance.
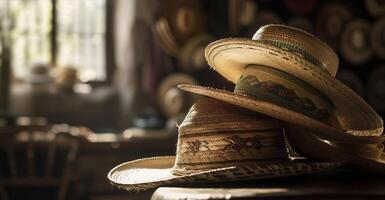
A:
(184, 17)
(307, 143)
(355, 42)
(331, 21)
(289, 74)
(192, 54)
(217, 142)
(167, 39)
(171, 100)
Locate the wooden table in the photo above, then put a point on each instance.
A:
(338, 184)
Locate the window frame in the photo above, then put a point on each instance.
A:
(108, 40)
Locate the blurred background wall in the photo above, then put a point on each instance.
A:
(115, 55)
(113, 65)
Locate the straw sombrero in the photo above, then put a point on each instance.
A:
(331, 21)
(289, 74)
(192, 54)
(171, 100)
(307, 143)
(185, 18)
(217, 142)
(355, 42)
(167, 39)
(241, 14)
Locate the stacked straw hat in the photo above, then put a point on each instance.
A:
(217, 142)
(284, 85)
(289, 74)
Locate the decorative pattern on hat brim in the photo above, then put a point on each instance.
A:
(230, 56)
(276, 111)
(156, 171)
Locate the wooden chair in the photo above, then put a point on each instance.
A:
(36, 159)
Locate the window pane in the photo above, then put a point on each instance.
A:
(30, 33)
(81, 37)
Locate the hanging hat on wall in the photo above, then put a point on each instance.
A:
(166, 38)
(376, 88)
(330, 23)
(375, 7)
(349, 78)
(355, 42)
(242, 13)
(185, 18)
(192, 54)
(378, 38)
(289, 74)
(217, 142)
(171, 100)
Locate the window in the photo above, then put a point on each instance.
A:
(81, 37)
(74, 34)
(30, 33)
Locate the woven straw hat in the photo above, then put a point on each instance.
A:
(355, 42)
(167, 39)
(171, 100)
(217, 142)
(185, 18)
(308, 143)
(331, 21)
(192, 54)
(289, 74)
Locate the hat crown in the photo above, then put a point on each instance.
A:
(302, 43)
(215, 134)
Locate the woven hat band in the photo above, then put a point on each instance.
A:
(297, 50)
(302, 43)
(215, 133)
(223, 149)
(209, 116)
(283, 89)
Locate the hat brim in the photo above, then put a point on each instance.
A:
(230, 56)
(276, 111)
(306, 143)
(156, 171)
